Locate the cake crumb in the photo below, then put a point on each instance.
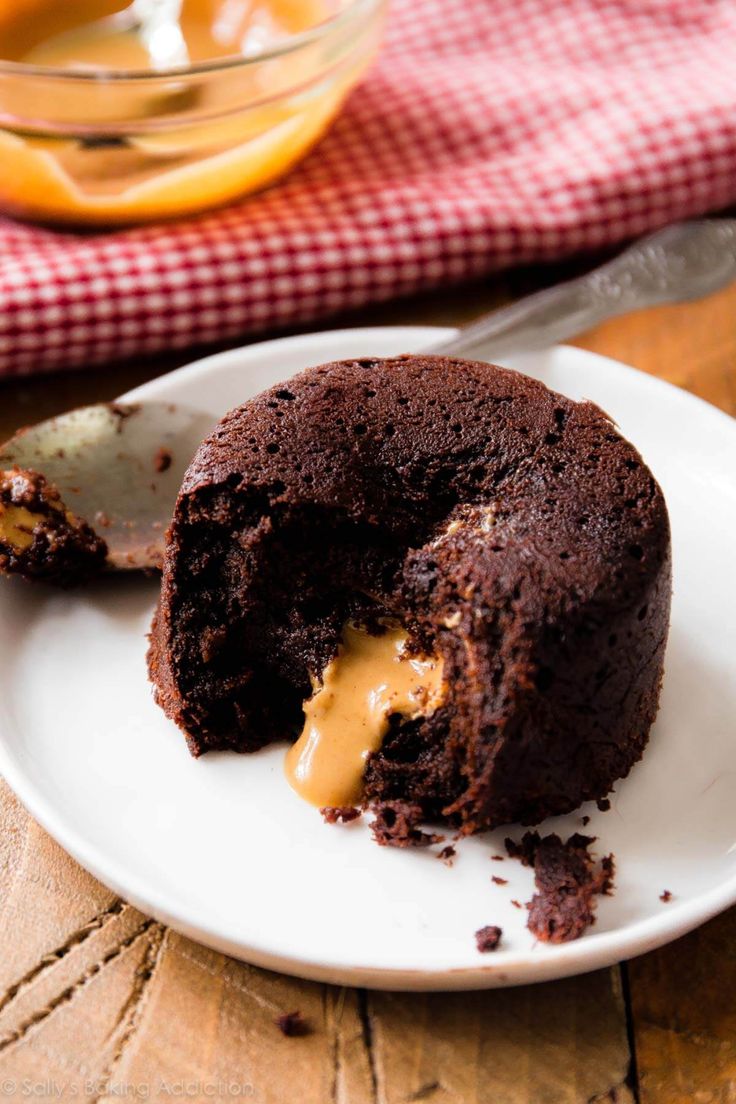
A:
(567, 880)
(488, 938)
(499, 881)
(340, 814)
(395, 825)
(292, 1024)
(665, 896)
(607, 872)
(517, 904)
(497, 858)
(122, 411)
(447, 854)
(585, 821)
(525, 849)
(603, 804)
(162, 460)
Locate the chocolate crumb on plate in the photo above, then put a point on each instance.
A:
(497, 858)
(603, 804)
(499, 881)
(517, 904)
(447, 854)
(292, 1024)
(585, 821)
(567, 880)
(524, 850)
(607, 872)
(488, 938)
(340, 814)
(395, 825)
(665, 896)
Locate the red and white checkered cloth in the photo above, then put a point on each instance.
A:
(489, 132)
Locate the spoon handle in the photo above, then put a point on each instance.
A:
(684, 261)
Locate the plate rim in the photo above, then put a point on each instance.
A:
(508, 968)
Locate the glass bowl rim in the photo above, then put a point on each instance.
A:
(352, 10)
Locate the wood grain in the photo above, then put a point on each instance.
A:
(692, 345)
(684, 1011)
(99, 1002)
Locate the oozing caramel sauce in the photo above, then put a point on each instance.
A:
(347, 717)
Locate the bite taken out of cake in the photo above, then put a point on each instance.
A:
(445, 584)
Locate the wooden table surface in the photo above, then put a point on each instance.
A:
(100, 1002)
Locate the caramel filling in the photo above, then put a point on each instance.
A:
(16, 526)
(347, 717)
(17, 523)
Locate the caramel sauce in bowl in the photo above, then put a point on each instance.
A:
(92, 134)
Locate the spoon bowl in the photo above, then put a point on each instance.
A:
(117, 466)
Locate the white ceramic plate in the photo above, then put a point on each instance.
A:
(224, 851)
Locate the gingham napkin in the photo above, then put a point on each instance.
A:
(488, 133)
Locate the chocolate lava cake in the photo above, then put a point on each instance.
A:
(510, 530)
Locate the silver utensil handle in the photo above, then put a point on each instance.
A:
(684, 261)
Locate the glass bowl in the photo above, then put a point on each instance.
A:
(114, 147)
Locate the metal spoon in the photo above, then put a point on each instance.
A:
(119, 467)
